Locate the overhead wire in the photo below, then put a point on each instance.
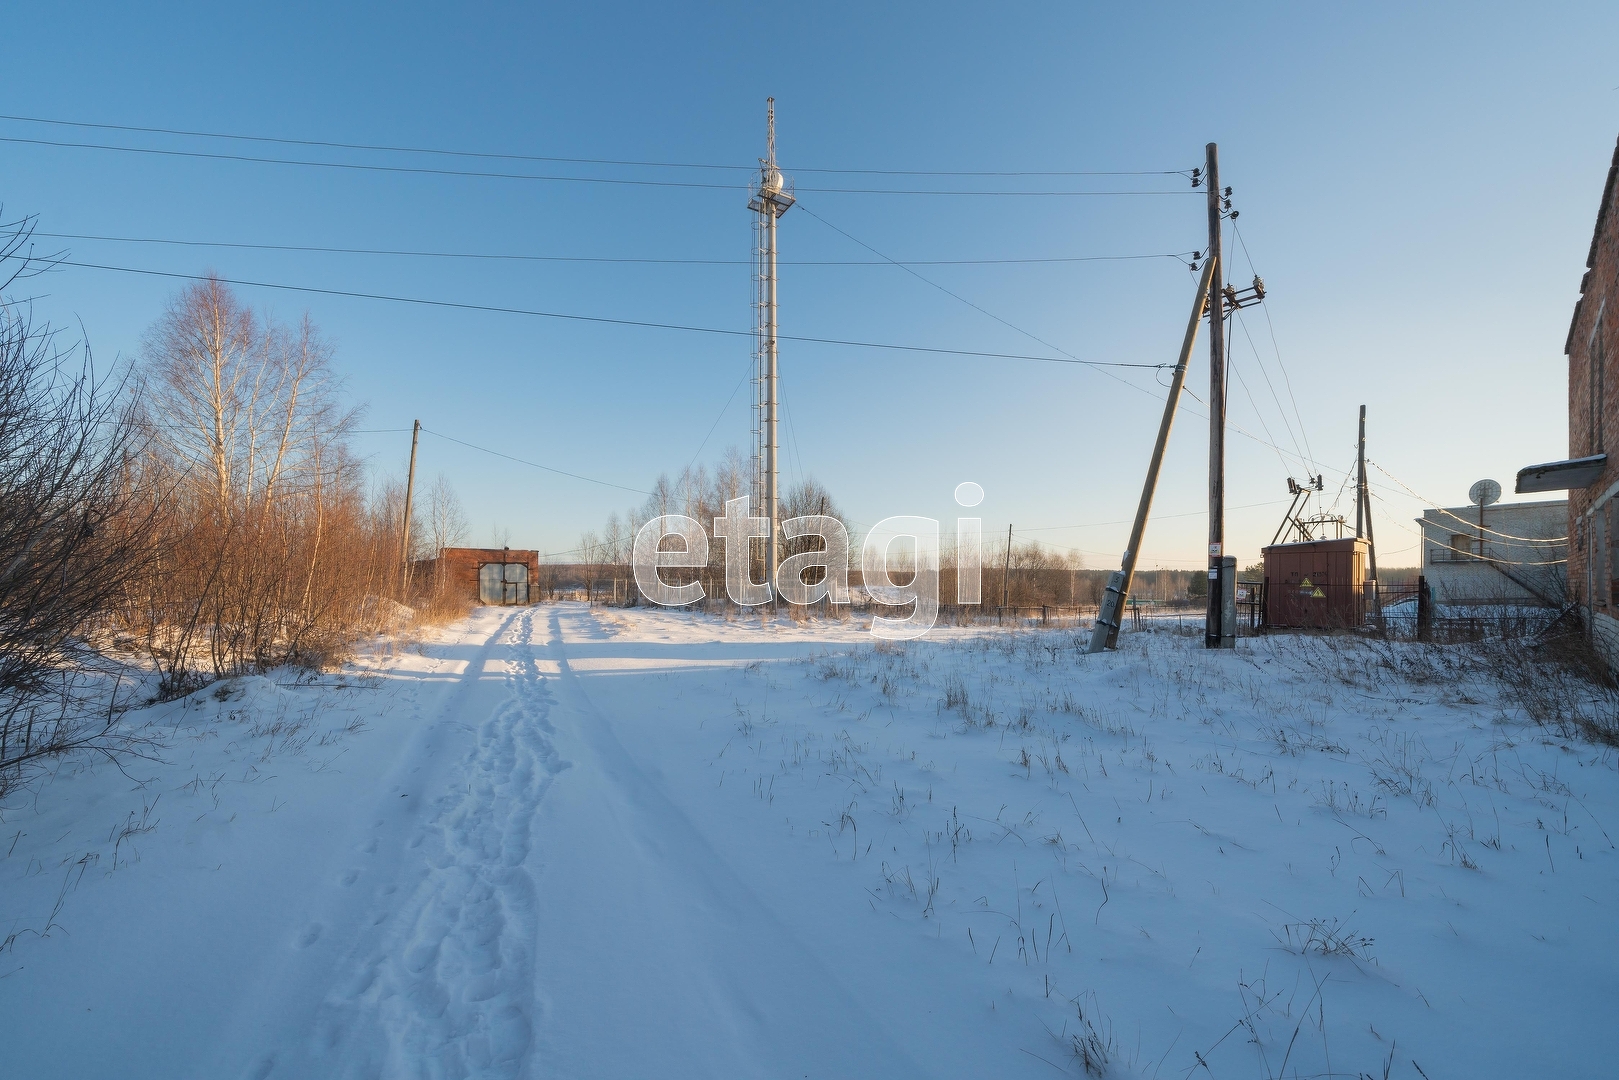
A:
(1286, 378)
(1473, 525)
(1423, 540)
(723, 410)
(1302, 454)
(606, 320)
(935, 284)
(1095, 364)
(1257, 414)
(532, 464)
(1259, 363)
(792, 435)
(1156, 517)
(1342, 485)
(498, 256)
(487, 174)
(375, 147)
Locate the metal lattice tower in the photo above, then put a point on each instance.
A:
(770, 200)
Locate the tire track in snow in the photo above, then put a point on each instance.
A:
(660, 959)
(446, 989)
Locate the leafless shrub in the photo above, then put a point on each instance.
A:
(1563, 684)
(71, 539)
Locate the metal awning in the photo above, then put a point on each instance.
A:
(1561, 475)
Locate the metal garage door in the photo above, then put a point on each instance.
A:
(503, 583)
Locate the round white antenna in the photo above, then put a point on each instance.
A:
(1484, 492)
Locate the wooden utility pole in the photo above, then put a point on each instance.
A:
(1363, 517)
(1360, 479)
(410, 489)
(1363, 503)
(1006, 569)
(1214, 632)
(1105, 635)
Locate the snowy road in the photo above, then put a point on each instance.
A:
(559, 915)
(557, 842)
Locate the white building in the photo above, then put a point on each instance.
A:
(1513, 552)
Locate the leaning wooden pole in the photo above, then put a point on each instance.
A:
(1106, 632)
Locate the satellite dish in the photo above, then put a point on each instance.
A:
(1484, 492)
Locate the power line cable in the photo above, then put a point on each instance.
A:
(532, 464)
(484, 174)
(606, 320)
(792, 435)
(1282, 412)
(310, 248)
(934, 284)
(970, 304)
(362, 167)
(1155, 517)
(1473, 555)
(723, 410)
(1286, 378)
(1232, 368)
(1431, 505)
(571, 160)
(1344, 484)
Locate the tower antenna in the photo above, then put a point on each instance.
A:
(770, 200)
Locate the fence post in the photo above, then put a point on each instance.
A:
(1424, 610)
(1042, 614)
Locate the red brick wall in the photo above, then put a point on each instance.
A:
(456, 569)
(1593, 378)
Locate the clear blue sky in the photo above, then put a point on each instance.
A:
(1417, 187)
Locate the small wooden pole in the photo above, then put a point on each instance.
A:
(410, 487)
(1006, 567)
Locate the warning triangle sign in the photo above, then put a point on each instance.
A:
(1318, 592)
(1306, 584)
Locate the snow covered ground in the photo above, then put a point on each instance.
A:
(558, 842)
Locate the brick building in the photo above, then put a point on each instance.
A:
(1590, 474)
(483, 575)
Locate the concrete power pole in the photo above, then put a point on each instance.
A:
(1216, 635)
(770, 201)
(410, 489)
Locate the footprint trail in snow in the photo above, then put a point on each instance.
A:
(445, 987)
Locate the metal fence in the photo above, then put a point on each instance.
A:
(1404, 611)
(1408, 610)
